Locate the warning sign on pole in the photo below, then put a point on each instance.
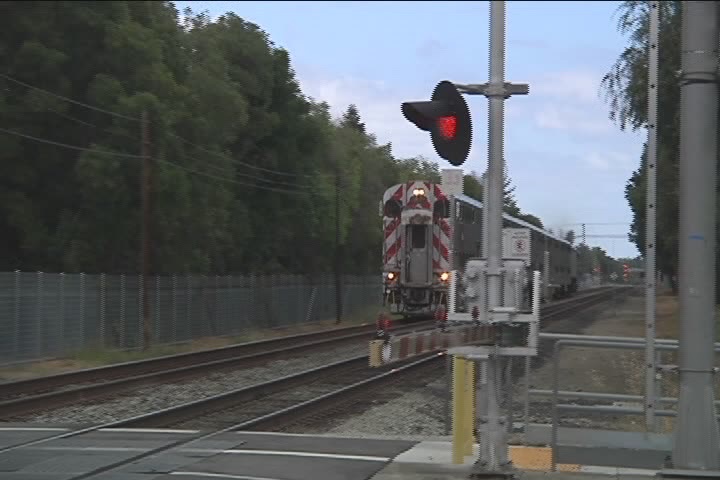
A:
(516, 244)
(452, 181)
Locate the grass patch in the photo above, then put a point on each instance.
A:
(97, 357)
(668, 317)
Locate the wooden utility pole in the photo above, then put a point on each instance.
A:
(338, 250)
(146, 225)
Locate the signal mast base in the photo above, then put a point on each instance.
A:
(493, 429)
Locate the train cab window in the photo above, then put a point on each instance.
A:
(418, 236)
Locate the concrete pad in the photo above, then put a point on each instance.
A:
(530, 458)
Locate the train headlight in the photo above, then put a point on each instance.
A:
(419, 192)
(444, 276)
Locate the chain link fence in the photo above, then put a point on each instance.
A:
(49, 315)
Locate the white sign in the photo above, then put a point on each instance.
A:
(516, 243)
(452, 181)
(613, 276)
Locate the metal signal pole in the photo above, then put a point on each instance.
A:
(494, 452)
(496, 114)
(697, 440)
(651, 212)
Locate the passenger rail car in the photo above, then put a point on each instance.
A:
(419, 244)
(562, 257)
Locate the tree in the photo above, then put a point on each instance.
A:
(510, 205)
(244, 164)
(531, 219)
(626, 89)
(570, 237)
(472, 186)
(351, 119)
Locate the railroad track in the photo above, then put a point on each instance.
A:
(318, 391)
(47, 393)
(81, 387)
(272, 402)
(276, 416)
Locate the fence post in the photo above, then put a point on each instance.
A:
(189, 303)
(18, 303)
(82, 310)
(347, 284)
(217, 306)
(158, 330)
(122, 310)
(310, 305)
(174, 307)
(102, 310)
(141, 312)
(61, 293)
(38, 316)
(231, 309)
(206, 325)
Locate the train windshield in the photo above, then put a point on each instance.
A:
(418, 236)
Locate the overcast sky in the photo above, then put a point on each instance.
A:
(569, 163)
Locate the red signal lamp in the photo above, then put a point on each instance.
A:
(447, 126)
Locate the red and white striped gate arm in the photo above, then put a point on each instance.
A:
(403, 347)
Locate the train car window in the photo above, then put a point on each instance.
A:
(442, 208)
(468, 214)
(393, 208)
(418, 236)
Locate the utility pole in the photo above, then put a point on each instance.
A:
(338, 252)
(146, 241)
(697, 441)
(651, 213)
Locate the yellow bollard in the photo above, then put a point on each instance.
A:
(458, 411)
(469, 406)
(375, 355)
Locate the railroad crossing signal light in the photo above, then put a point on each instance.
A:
(626, 271)
(447, 117)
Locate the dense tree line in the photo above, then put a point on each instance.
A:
(245, 168)
(595, 260)
(626, 88)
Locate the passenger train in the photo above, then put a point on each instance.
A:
(420, 241)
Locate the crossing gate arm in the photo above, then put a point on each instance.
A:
(403, 347)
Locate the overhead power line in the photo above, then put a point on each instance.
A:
(167, 162)
(119, 115)
(230, 180)
(240, 162)
(72, 147)
(219, 168)
(91, 107)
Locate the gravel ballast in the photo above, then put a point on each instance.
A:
(422, 411)
(156, 397)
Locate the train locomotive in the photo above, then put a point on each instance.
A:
(422, 243)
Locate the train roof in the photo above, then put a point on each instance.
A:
(475, 203)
